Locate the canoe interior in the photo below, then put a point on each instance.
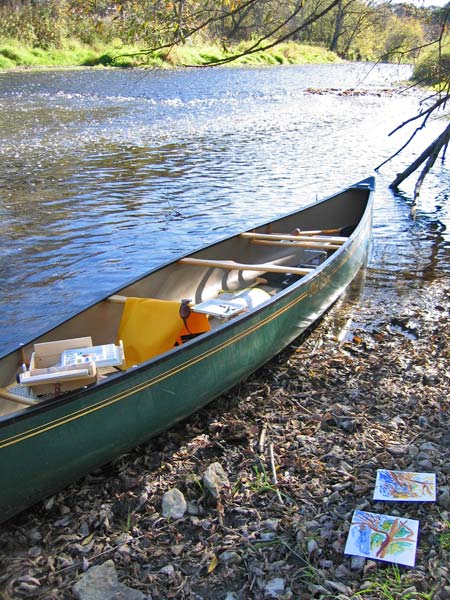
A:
(176, 281)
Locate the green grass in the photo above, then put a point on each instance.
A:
(389, 584)
(444, 536)
(73, 53)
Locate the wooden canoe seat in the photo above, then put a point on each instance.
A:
(231, 265)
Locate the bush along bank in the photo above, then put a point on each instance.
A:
(72, 53)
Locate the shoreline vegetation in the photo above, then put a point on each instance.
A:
(72, 53)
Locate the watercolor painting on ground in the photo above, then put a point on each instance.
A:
(403, 486)
(383, 537)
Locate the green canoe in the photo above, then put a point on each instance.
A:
(66, 410)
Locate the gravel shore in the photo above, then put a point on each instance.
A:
(268, 478)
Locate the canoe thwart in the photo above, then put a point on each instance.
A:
(116, 299)
(295, 238)
(8, 394)
(231, 265)
(310, 245)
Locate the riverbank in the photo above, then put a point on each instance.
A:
(74, 54)
(299, 443)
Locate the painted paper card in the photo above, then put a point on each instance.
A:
(405, 486)
(383, 537)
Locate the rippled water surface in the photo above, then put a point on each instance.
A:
(107, 173)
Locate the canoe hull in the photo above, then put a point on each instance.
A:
(50, 446)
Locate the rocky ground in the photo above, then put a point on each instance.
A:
(268, 478)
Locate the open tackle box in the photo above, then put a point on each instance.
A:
(66, 365)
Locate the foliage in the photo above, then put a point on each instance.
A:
(403, 39)
(433, 66)
(70, 53)
(74, 53)
(41, 24)
(355, 29)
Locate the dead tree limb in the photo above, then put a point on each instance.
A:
(430, 155)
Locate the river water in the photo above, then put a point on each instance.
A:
(105, 174)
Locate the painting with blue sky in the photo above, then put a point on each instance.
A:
(404, 486)
(383, 537)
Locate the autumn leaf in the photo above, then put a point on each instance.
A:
(213, 564)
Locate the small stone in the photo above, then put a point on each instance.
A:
(357, 563)
(431, 378)
(275, 587)
(83, 530)
(101, 583)
(168, 570)
(35, 535)
(342, 572)
(311, 525)
(444, 499)
(48, 504)
(230, 558)
(192, 508)
(339, 587)
(366, 585)
(325, 564)
(413, 451)
(428, 446)
(370, 567)
(425, 465)
(396, 422)
(397, 450)
(174, 504)
(177, 549)
(313, 547)
(215, 479)
(271, 524)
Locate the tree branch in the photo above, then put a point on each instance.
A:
(431, 153)
(257, 47)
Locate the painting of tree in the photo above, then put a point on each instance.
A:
(383, 537)
(405, 486)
